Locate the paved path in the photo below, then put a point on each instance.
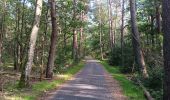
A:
(92, 83)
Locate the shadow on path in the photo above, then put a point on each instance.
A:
(89, 84)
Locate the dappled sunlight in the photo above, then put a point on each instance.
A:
(84, 86)
(63, 76)
(12, 98)
(9, 96)
(85, 95)
(89, 84)
(92, 60)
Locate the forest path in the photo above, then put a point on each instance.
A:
(91, 83)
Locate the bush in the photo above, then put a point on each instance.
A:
(115, 59)
(155, 82)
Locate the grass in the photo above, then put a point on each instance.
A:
(39, 88)
(132, 91)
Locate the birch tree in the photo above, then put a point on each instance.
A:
(24, 80)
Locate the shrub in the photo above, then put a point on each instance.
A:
(115, 59)
(155, 82)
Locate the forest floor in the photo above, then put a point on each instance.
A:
(9, 84)
(92, 83)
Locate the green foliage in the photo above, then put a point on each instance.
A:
(132, 91)
(116, 58)
(155, 82)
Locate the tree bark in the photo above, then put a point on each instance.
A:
(52, 52)
(24, 81)
(166, 48)
(139, 58)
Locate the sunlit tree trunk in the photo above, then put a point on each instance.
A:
(166, 48)
(24, 81)
(136, 41)
(51, 57)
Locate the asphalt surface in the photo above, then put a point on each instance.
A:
(89, 84)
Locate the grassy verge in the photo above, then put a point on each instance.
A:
(132, 91)
(39, 88)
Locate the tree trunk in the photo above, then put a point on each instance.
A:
(44, 40)
(16, 41)
(166, 48)
(136, 41)
(152, 30)
(2, 30)
(1, 67)
(75, 44)
(122, 33)
(81, 37)
(115, 26)
(51, 57)
(158, 19)
(21, 34)
(24, 81)
(111, 36)
(158, 23)
(100, 31)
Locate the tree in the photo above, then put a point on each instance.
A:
(2, 30)
(75, 44)
(139, 58)
(111, 36)
(1, 50)
(122, 31)
(166, 48)
(100, 30)
(51, 58)
(24, 80)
